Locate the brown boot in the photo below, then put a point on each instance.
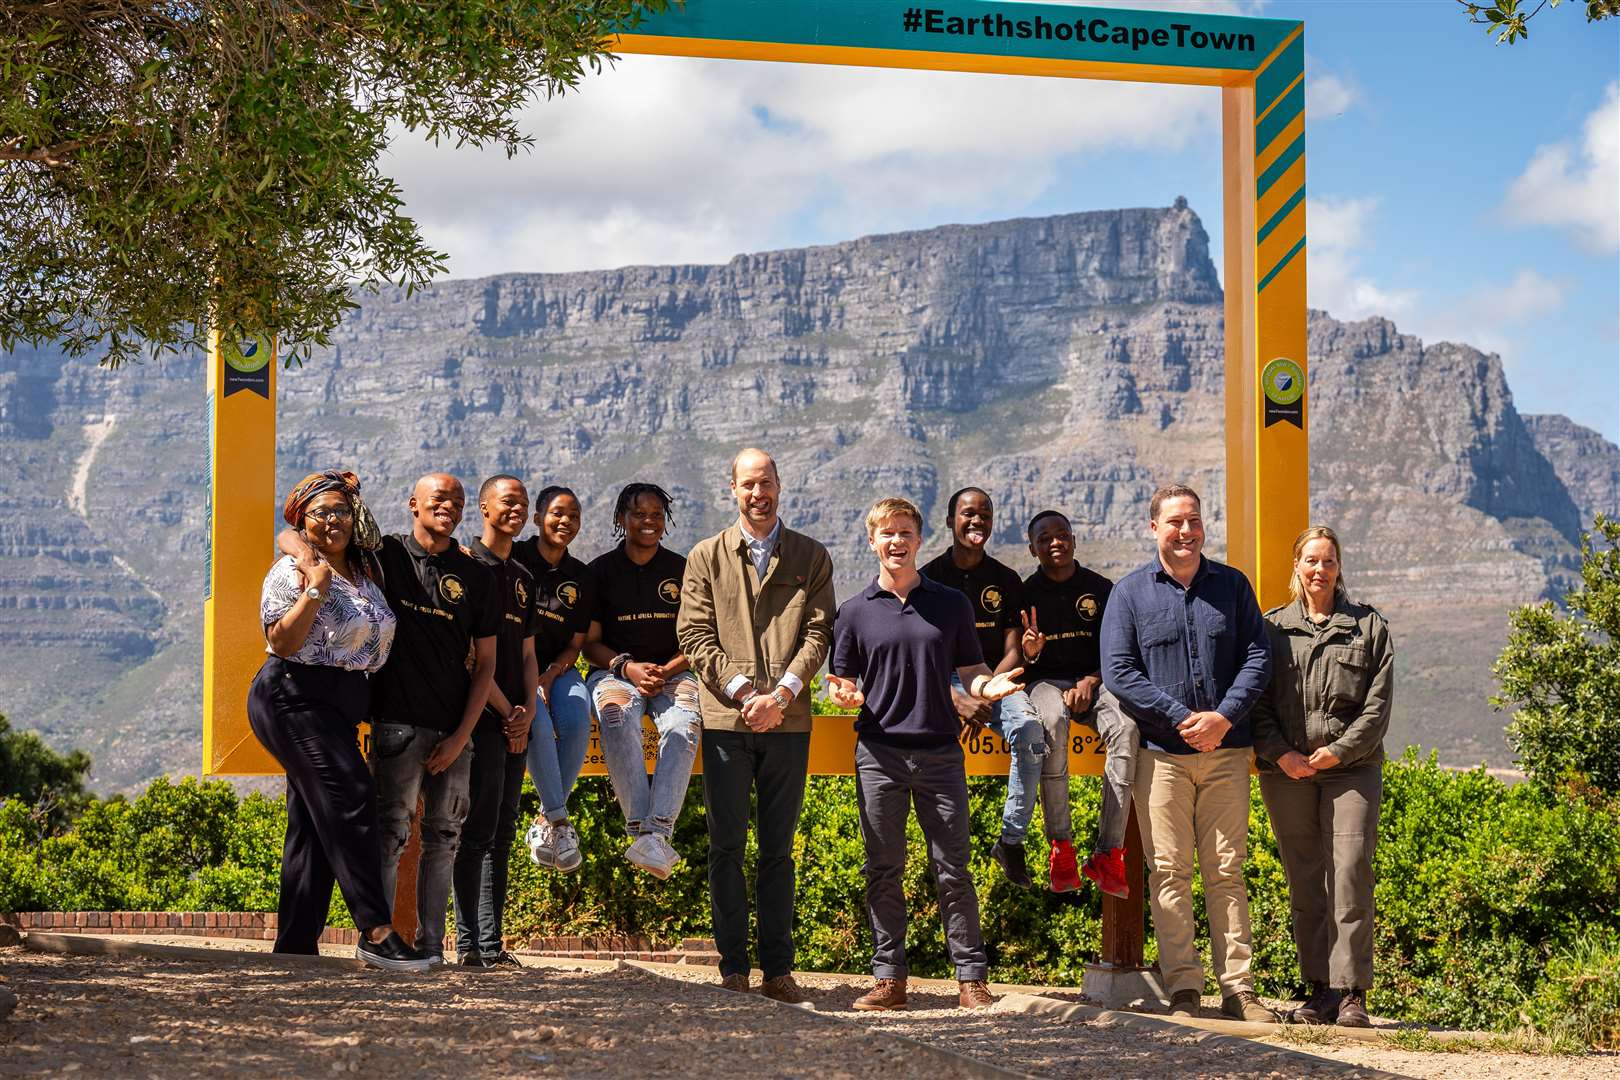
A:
(885, 994)
(974, 994)
(1246, 1005)
(783, 989)
(737, 983)
(1353, 1009)
(1185, 1003)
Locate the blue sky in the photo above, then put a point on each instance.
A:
(1465, 190)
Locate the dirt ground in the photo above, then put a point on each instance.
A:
(131, 1017)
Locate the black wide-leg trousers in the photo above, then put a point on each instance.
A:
(308, 717)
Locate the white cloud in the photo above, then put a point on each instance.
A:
(1328, 96)
(1576, 188)
(1336, 281)
(684, 160)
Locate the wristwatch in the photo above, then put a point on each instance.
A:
(782, 697)
(617, 664)
(314, 593)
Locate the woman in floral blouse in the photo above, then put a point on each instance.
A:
(327, 627)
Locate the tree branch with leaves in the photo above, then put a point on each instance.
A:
(163, 165)
(1508, 21)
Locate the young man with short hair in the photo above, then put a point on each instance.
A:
(501, 736)
(756, 623)
(1066, 604)
(426, 701)
(994, 590)
(895, 645)
(1186, 653)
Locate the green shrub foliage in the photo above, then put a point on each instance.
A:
(1560, 674)
(1490, 897)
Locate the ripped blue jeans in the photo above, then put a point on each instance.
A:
(1014, 719)
(650, 805)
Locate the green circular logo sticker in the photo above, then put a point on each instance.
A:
(1283, 381)
(246, 356)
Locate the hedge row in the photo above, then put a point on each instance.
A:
(1495, 903)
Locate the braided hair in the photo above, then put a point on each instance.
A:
(627, 498)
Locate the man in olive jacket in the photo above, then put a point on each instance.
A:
(756, 624)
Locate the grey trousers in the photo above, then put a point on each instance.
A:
(1327, 830)
(399, 753)
(888, 781)
(1121, 740)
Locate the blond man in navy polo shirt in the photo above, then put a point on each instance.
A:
(896, 645)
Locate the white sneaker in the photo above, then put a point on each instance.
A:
(667, 852)
(565, 844)
(541, 842)
(643, 854)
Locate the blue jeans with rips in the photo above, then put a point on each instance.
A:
(650, 805)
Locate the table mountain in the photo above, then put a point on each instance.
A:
(1071, 362)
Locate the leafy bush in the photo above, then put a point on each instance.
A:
(1489, 896)
(1578, 1003)
(1560, 673)
(51, 784)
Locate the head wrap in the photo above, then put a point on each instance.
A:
(366, 534)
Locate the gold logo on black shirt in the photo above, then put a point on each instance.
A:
(568, 593)
(1087, 607)
(521, 592)
(451, 588)
(990, 599)
(670, 590)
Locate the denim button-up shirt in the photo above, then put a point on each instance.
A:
(1168, 651)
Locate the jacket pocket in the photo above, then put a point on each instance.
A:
(1345, 684)
(1159, 630)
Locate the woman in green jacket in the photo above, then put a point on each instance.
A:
(1319, 741)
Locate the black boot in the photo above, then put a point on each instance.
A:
(1011, 859)
(1353, 1009)
(1321, 1008)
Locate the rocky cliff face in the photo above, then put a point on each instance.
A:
(1588, 465)
(1071, 362)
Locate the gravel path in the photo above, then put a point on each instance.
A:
(134, 1016)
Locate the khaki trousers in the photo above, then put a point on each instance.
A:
(1187, 804)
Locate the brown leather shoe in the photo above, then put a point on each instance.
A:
(1353, 1010)
(974, 994)
(1184, 1003)
(885, 994)
(1246, 1005)
(738, 982)
(783, 989)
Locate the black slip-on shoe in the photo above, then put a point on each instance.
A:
(391, 954)
(1010, 857)
(501, 959)
(471, 959)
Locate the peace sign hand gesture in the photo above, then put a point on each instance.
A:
(1033, 640)
(844, 693)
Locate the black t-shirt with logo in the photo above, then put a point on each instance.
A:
(514, 595)
(636, 605)
(564, 597)
(1070, 614)
(442, 602)
(996, 593)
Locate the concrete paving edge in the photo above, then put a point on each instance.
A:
(969, 1065)
(1072, 1010)
(91, 945)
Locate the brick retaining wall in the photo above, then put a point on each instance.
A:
(255, 925)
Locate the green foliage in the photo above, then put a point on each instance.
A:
(1560, 673)
(164, 167)
(189, 846)
(1495, 903)
(50, 784)
(1507, 20)
(1578, 1003)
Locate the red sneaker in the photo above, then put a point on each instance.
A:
(1061, 868)
(1107, 869)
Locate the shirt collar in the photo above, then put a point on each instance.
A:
(747, 539)
(483, 554)
(1200, 574)
(875, 589)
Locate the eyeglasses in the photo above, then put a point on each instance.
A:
(326, 515)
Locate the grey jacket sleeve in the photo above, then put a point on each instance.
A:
(1367, 730)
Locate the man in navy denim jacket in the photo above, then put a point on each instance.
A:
(1184, 650)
